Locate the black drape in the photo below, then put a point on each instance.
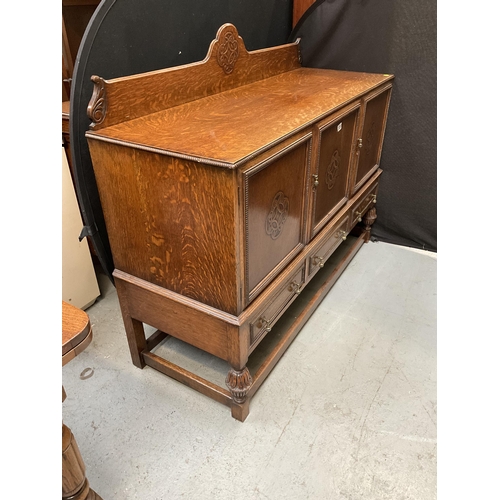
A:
(397, 37)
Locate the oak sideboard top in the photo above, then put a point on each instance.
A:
(219, 126)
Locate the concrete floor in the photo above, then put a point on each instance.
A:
(349, 412)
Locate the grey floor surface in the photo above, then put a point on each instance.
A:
(349, 412)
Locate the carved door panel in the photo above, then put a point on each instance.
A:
(274, 194)
(335, 153)
(370, 148)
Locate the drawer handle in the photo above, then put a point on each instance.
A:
(341, 234)
(359, 215)
(374, 198)
(295, 288)
(318, 261)
(316, 180)
(264, 323)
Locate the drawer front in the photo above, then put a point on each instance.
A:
(270, 313)
(335, 237)
(360, 208)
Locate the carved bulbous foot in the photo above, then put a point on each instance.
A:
(239, 382)
(368, 221)
(369, 218)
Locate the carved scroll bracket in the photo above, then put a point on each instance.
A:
(96, 110)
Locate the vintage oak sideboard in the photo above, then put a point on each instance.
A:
(226, 186)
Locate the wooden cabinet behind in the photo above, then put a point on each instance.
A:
(223, 200)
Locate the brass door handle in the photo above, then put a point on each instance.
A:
(316, 180)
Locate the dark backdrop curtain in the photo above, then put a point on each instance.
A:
(397, 37)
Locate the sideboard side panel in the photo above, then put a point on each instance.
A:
(170, 222)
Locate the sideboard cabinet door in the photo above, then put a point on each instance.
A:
(275, 194)
(372, 136)
(335, 138)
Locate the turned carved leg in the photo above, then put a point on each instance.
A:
(368, 221)
(239, 382)
(75, 485)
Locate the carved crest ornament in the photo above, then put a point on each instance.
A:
(333, 169)
(228, 52)
(277, 215)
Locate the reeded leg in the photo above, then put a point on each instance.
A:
(239, 382)
(368, 221)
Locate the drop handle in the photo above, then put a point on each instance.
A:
(359, 216)
(360, 143)
(341, 234)
(316, 180)
(374, 198)
(318, 261)
(295, 288)
(264, 323)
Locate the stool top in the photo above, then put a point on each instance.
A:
(76, 331)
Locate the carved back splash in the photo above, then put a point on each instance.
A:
(227, 65)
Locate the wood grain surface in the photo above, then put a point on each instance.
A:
(334, 161)
(233, 126)
(280, 183)
(133, 96)
(226, 185)
(372, 135)
(170, 222)
(75, 327)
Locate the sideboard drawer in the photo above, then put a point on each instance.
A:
(359, 209)
(335, 237)
(271, 312)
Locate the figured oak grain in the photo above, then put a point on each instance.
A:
(207, 178)
(137, 95)
(233, 126)
(170, 222)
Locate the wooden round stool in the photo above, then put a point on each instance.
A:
(76, 336)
